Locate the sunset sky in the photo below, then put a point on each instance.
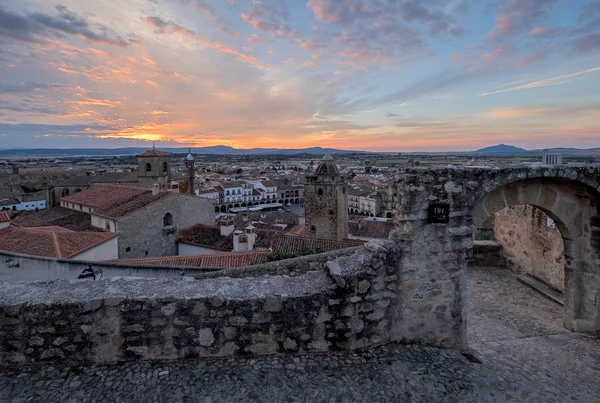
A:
(380, 75)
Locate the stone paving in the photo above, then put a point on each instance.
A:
(526, 356)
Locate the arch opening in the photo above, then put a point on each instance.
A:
(540, 232)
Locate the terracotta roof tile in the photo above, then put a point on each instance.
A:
(279, 241)
(295, 244)
(57, 217)
(106, 196)
(50, 241)
(154, 153)
(215, 260)
(137, 203)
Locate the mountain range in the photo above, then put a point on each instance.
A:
(500, 149)
(213, 150)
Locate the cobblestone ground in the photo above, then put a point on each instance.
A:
(526, 356)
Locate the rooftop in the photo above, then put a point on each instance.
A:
(154, 153)
(58, 217)
(106, 196)
(53, 242)
(278, 241)
(214, 260)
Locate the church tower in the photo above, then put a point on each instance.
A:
(154, 167)
(326, 202)
(191, 172)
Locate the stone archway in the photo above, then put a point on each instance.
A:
(574, 207)
(436, 210)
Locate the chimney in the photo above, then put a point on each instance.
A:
(251, 236)
(227, 226)
(155, 189)
(240, 241)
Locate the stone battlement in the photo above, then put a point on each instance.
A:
(343, 304)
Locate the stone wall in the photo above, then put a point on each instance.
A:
(441, 249)
(487, 254)
(531, 244)
(351, 302)
(145, 235)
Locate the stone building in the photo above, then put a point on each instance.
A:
(326, 202)
(147, 221)
(154, 167)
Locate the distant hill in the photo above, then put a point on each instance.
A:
(213, 150)
(501, 149)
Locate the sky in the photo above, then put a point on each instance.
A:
(377, 75)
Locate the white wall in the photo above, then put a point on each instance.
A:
(108, 250)
(185, 249)
(27, 206)
(37, 268)
(100, 222)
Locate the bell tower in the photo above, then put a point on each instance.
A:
(326, 202)
(191, 172)
(154, 167)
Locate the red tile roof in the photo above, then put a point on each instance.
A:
(154, 153)
(280, 241)
(51, 242)
(105, 196)
(216, 260)
(137, 203)
(57, 217)
(4, 217)
(116, 202)
(295, 244)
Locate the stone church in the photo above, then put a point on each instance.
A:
(326, 202)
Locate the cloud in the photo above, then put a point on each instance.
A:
(586, 43)
(432, 84)
(207, 9)
(28, 87)
(548, 111)
(38, 27)
(41, 130)
(516, 16)
(563, 79)
(170, 27)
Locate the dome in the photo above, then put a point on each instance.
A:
(190, 157)
(327, 166)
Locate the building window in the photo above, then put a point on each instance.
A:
(165, 166)
(168, 220)
(320, 192)
(128, 249)
(108, 226)
(148, 167)
(331, 212)
(313, 228)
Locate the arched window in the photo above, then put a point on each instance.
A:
(320, 192)
(168, 220)
(148, 167)
(165, 166)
